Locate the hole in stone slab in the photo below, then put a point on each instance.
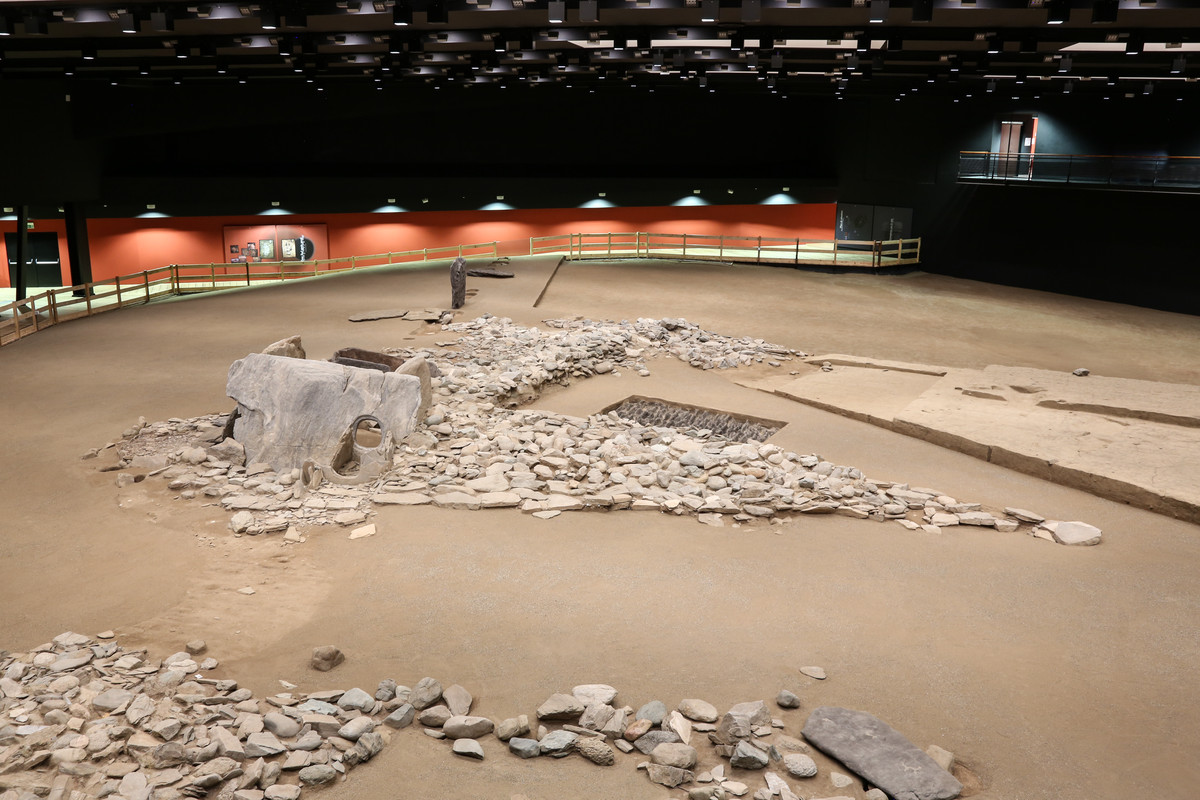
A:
(368, 433)
(682, 416)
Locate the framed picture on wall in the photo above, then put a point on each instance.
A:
(288, 248)
(234, 249)
(266, 249)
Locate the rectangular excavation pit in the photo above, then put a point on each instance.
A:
(656, 412)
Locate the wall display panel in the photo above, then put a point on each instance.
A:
(250, 244)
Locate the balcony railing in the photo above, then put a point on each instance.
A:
(1147, 173)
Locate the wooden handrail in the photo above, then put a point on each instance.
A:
(175, 279)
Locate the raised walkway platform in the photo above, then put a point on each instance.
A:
(1126, 440)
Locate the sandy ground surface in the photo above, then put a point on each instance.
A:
(1051, 672)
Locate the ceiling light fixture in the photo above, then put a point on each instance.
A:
(128, 23)
(879, 10)
(558, 11)
(709, 10)
(1057, 12)
(401, 16)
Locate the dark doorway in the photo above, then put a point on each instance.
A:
(44, 267)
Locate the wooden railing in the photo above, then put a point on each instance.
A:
(743, 249)
(32, 314)
(23, 317)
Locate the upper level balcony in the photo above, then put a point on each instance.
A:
(1139, 173)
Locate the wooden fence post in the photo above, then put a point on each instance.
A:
(247, 273)
(146, 284)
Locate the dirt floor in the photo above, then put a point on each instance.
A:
(1051, 672)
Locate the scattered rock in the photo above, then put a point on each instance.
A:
(814, 672)
(747, 756)
(698, 710)
(325, 658)
(468, 748)
(596, 750)
(799, 765)
(560, 706)
(786, 699)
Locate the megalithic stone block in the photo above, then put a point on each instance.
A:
(458, 283)
(292, 410)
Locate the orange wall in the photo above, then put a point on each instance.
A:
(126, 246)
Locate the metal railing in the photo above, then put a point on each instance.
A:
(1164, 173)
(743, 249)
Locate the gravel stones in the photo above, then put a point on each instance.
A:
(787, 699)
(464, 727)
(596, 750)
(317, 774)
(427, 692)
(458, 699)
(669, 776)
(356, 699)
(1076, 533)
(402, 717)
(879, 754)
(675, 754)
(594, 693)
(799, 765)
(524, 748)
(747, 756)
(514, 726)
(556, 743)
(560, 706)
(325, 658)
(655, 711)
(698, 710)
(281, 725)
(468, 748)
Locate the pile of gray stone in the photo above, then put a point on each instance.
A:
(86, 718)
(477, 449)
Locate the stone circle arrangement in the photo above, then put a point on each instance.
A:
(85, 718)
(478, 448)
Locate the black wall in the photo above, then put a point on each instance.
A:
(228, 149)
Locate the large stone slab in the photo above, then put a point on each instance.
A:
(291, 410)
(880, 754)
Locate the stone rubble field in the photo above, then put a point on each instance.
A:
(479, 449)
(83, 718)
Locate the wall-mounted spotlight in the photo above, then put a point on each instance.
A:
(401, 16)
(879, 10)
(4, 29)
(1148, 88)
(751, 11)
(589, 11)
(159, 21)
(1069, 87)
(736, 42)
(777, 61)
(1133, 47)
(128, 23)
(994, 45)
(268, 20)
(922, 11)
(89, 53)
(558, 11)
(1064, 64)
(1178, 65)
(991, 86)
(709, 10)
(863, 44)
(437, 14)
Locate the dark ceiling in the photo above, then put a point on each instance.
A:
(827, 47)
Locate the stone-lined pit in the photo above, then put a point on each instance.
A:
(681, 416)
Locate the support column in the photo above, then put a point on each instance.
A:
(78, 252)
(20, 279)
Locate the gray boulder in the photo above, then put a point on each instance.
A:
(292, 410)
(463, 727)
(747, 756)
(879, 754)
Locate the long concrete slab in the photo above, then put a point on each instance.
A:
(1132, 441)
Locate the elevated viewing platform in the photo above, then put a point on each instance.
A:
(1137, 173)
